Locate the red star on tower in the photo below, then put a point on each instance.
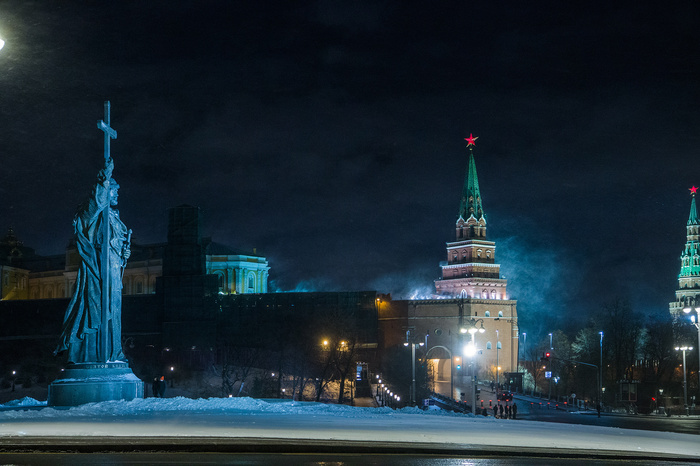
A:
(471, 140)
(693, 190)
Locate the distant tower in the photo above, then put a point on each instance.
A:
(471, 269)
(689, 279)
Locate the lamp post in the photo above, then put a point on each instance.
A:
(413, 366)
(551, 346)
(470, 352)
(600, 379)
(685, 383)
(696, 321)
(498, 372)
(524, 353)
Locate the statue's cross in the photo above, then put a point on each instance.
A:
(109, 132)
(103, 349)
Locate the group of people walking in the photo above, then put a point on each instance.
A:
(505, 412)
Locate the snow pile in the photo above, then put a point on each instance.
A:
(249, 406)
(26, 401)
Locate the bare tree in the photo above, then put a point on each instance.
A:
(659, 358)
(623, 333)
(236, 365)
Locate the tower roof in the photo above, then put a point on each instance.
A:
(471, 197)
(693, 217)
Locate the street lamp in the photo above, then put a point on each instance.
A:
(470, 350)
(600, 380)
(524, 354)
(498, 373)
(551, 346)
(685, 383)
(471, 327)
(413, 366)
(696, 321)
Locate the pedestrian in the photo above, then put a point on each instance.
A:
(514, 409)
(161, 386)
(507, 412)
(154, 387)
(495, 410)
(500, 409)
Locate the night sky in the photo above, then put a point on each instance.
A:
(330, 135)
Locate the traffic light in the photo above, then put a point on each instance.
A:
(546, 356)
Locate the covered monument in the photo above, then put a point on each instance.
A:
(91, 336)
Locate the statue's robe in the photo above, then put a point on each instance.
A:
(82, 322)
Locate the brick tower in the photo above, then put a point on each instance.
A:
(471, 269)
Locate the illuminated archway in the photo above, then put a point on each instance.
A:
(440, 372)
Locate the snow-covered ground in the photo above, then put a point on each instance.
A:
(270, 420)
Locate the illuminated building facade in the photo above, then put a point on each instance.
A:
(26, 275)
(470, 296)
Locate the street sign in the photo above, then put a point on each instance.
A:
(548, 375)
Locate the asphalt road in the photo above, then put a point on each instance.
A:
(530, 410)
(679, 424)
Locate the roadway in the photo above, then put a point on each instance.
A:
(531, 409)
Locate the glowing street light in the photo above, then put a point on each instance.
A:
(2, 43)
(470, 349)
(685, 383)
(472, 328)
(413, 364)
(696, 322)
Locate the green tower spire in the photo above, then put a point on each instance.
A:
(688, 292)
(693, 217)
(690, 265)
(471, 221)
(471, 197)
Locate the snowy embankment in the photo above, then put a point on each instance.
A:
(242, 419)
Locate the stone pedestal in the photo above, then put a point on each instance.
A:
(92, 382)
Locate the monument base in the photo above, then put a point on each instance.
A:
(92, 382)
